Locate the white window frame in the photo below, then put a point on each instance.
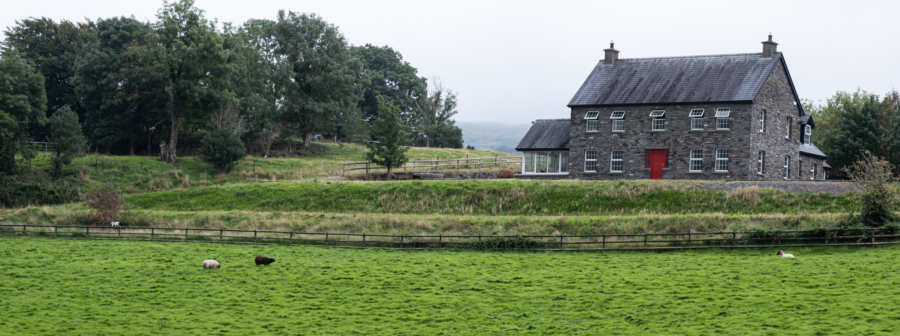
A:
(723, 112)
(620, 123)
(722, 159)
(696, 113)
(620, 160)
(787, 128)
(807, 136)
(813, 172)
(762, 121)
(657, 113)
(661, 121)
(697, 120)
(590, 115)
(786, 173)
(761, 162)
(595, 124)
(617, 115)
(721, 121)
(590, 156)
(696, 155)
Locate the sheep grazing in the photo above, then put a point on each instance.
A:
(260, 260)
(784, 255)
(211, 264)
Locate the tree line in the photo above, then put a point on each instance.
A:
(849, 124)
(136, 87)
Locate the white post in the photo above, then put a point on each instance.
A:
(559, 163)
(523, 162)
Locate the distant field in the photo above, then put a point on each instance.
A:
(143, 288)
(490, 197)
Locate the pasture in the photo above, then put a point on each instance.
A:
(142, 288)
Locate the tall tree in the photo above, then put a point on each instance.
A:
(96, 78)
(319, 79)
(67, 137)
(889, 129)
(432, 120)
(391, 135)
(23, 102)
(191, 52)
(847, 125)
(52, 47)
(388, 75)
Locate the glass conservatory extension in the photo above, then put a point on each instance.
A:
(545, 163)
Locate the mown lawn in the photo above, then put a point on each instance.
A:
(141, 288)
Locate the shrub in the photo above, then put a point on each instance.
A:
(105, 204)
(505, 243)
(222, 148)
(506, 173)
(876, 194)
(34, 187)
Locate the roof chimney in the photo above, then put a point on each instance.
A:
(611, 54)
(769, 47)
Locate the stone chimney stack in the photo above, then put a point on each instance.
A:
(611, 54)
(769, 47)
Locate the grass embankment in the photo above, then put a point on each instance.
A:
(492, 197)
(137, 174)
(109, 287)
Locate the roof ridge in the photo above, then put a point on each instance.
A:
(689, 56)
(536, 120)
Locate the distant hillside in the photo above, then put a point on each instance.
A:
(494, 136)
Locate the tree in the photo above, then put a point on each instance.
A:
(388, 75)
(191, 53)
(222, 148)
(52, 47)
(847, 125)
(66, 136)
(433, 112)
(390, 137)
(318, 79)
(23, 102)
(108, 121)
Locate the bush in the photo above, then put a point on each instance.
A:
(876, 195)
(34, 187)
(506, 173)
(105, 204)
(505, 243)
(222, 148)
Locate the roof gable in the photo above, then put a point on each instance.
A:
(546, 134)
(666, 80)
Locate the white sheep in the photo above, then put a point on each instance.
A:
(784, 255)
(211, 264)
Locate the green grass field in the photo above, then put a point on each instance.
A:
(143, 288)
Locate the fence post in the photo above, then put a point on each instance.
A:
(185, 234)
(152, 233)
(826, 236)
(55, 228)
(23, 230)
(220, 234)
(645, 242)
(291, 239)
(326, 238)
(367, 167)
(401, 241)
(254, 236)
(441, 241)
(120, 232)
(560, 241)
(604, 243)
(87, 231)
(364, 240)
(733, 239)
(689, 237)
(873, 237)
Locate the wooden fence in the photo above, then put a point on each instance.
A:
(461, 163)
(604, 242)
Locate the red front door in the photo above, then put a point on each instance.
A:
(657, 162)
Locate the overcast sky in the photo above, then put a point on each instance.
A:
(515, 61)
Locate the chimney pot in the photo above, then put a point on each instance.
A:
(769, 47)
(611, 54)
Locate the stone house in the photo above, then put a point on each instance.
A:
(719, 117)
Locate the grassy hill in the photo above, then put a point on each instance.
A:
(137, 288)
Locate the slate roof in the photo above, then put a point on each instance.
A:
(546, 134)
(690, 79)
(811, 150)
(807, 120)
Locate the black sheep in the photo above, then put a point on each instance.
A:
(264, 260)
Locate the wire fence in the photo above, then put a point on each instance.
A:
(438, 164)
(602, 242)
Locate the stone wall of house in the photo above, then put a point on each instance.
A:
(776, 98)
(678, 138)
